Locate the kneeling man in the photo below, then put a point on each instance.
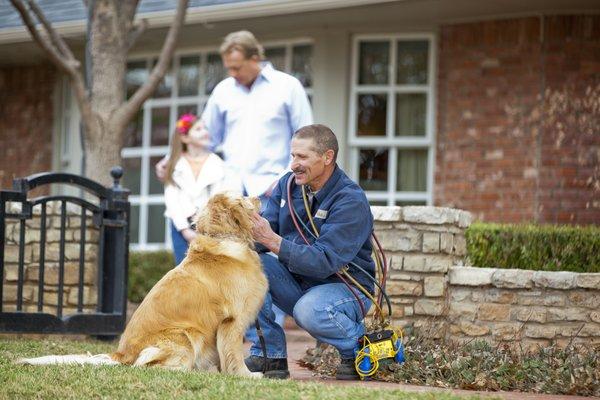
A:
(302, 277)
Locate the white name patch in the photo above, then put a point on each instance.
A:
(321, 214)
(282, 204)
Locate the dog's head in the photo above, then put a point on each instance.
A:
(226, 215)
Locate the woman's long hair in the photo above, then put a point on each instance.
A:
(176, 149)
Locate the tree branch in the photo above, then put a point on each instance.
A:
(128, 110)
(136, 32)
(57, 41)
(44, 43)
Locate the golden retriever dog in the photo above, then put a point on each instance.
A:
(196, 315)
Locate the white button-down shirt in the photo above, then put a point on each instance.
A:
(253, 127)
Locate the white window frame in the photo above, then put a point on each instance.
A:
(389, 141)
(145, 152)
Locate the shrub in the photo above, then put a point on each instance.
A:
(145, 269)
(534, 247)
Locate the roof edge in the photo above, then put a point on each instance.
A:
(215, 13)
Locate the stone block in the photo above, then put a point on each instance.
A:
(434, 286)
(11, 272)
(588, 281)
(431, 242)
(493, 312)
(71, 273)
(389, 240)
(404, 288)
(409, 240)
(394, 262)
(90, 296)
(540, 331)
(413, 263)
(429, 307)
(554, 280)
(465, 219)
(467, 276)
(32, 236)
(11, 253)
(595, 316)
(529, 314)
(460, 245)
(567, 314)
(585, 299)
(379, 227)
(9, 294)
(434, 263)
(446, 243)
(541, 298)
(384, 213)
(470, 329)
(460, 294)
(429, 215)
(590, 330)
(52, 252)
(513, 278)
(497, 296)
(460, 310)
(508, 331)
(409, 311)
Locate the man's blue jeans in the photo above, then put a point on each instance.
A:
(329, 312)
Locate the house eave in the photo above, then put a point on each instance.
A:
(201, 15)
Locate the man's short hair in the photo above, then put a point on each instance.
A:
(243, 41)
(322, 136)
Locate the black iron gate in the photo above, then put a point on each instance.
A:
(110, 215)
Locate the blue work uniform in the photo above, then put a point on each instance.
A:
(302, 280)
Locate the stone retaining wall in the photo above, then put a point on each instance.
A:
(52, 253)
(431, 289)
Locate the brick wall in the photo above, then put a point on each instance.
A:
(26, 121)
(519, 119)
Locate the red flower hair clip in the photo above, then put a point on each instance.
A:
(184, 123)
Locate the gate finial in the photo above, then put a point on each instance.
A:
(116, 172)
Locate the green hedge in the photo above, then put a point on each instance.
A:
(534, 247)
(145, 269)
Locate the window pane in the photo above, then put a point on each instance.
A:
(372, 115)
(159, 128)
(134, 227)
(132, 171)
(135, 76)
(215, 72)
(134, 131)
(411, 109)
(412, 62)
(373, 169)
(276, 56)
(165, 86)
(187, 109)
(155, 187)
(374, 63)
(156, 223)
(412, 170)
(189, 74)
(403, 203)
(302, 64)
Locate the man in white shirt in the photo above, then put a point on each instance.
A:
(253, 114)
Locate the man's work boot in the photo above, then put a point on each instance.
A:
(346, 371)
(277, 368)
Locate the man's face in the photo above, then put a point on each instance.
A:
(308, 165)
(244, 70)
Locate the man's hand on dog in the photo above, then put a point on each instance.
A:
(264, 235)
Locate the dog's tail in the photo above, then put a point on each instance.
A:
(75, 359)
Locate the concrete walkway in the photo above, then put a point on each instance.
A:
(299, 341)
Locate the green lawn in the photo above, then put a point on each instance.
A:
(78, 382)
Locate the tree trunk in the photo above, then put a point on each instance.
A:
(104, 136)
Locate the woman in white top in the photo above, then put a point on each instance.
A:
(193, 175)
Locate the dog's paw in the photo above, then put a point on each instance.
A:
(256, 375)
